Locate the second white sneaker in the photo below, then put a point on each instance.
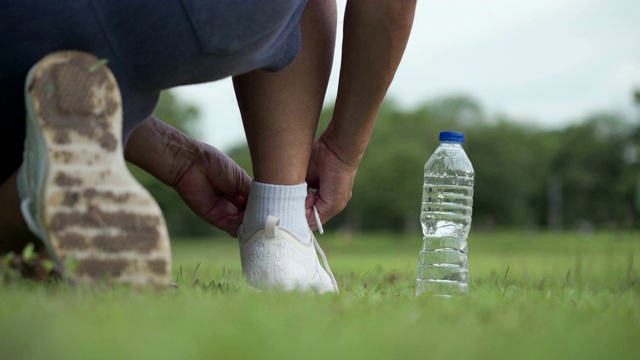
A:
(274, 258)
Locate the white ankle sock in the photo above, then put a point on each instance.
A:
(283, 201)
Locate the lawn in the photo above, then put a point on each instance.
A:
(532, 296)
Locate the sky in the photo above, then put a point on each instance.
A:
(544, 62)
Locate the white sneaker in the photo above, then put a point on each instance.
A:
(76, 192)
(274, 258)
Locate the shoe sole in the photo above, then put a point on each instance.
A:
(99, 221)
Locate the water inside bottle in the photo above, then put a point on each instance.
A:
(446, 218)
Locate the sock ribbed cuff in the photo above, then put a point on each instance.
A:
(285, 202)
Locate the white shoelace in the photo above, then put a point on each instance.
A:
(315, 213)
(319, 249)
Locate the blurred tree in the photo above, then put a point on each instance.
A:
(510, 163)
(631, 182)
(182, 116)
(387, 191)
(525, 176)
(590, 163)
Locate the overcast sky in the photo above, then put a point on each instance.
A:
(547, 62)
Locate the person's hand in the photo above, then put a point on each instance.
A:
(215, 188)
(337, 154)
(208, 181)
(333, 180)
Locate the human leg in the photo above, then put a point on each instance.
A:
(280, 112)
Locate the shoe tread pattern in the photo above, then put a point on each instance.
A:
(94, 210)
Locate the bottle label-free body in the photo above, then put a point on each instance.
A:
(446, 205)
(446, 218)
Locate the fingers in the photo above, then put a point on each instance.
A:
(225, 216)
(216, 189)
(308, 205)
(224, 174)
(231, 224)
(326, 208)
(334, 181)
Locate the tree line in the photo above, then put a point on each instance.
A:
(585, 175)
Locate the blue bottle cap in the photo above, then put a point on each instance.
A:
(452, 136)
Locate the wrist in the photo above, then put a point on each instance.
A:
(345, 149)
(180, 152)
(162, 151)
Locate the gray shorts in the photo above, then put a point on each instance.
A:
(151, 45)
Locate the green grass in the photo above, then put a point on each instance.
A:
(563, 297)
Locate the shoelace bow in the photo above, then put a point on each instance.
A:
(319, 249)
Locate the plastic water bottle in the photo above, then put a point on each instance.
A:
(447, 200)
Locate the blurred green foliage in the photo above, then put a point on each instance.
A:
(583, 176)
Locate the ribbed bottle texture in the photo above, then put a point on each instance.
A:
(447, 201)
